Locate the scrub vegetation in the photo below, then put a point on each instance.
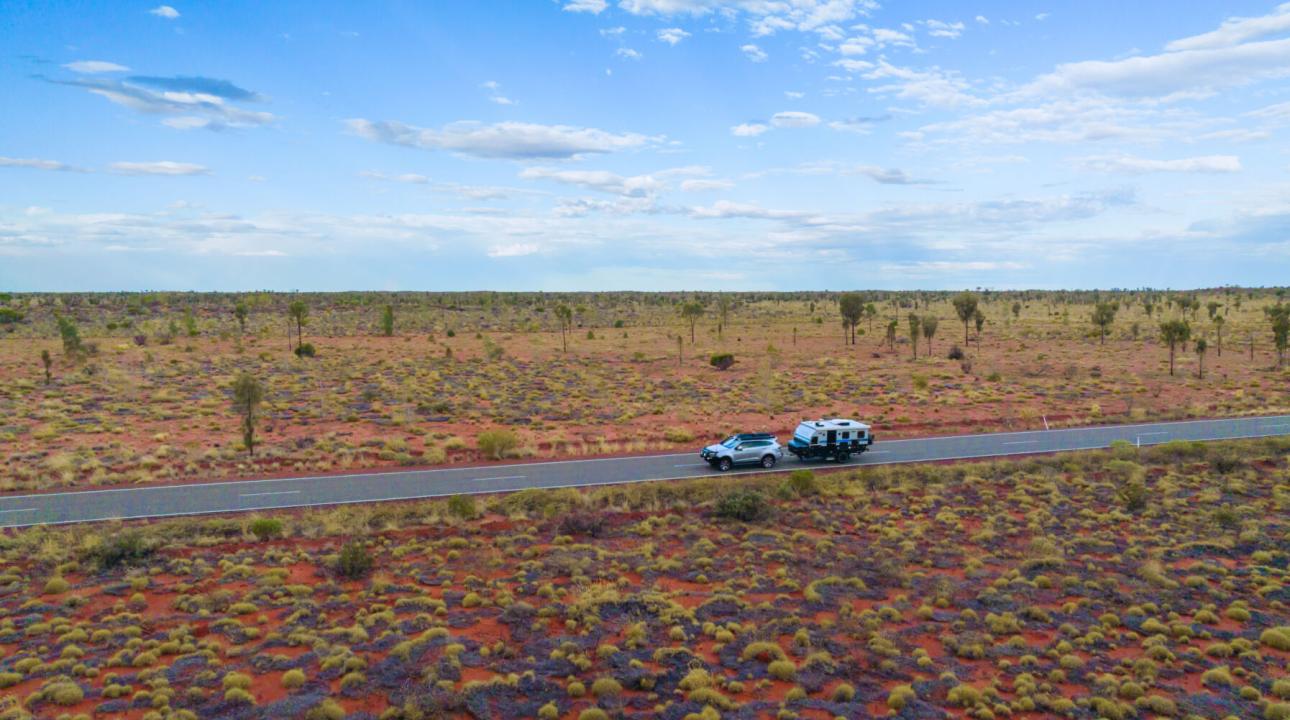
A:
(121, 389)
(1123, 583)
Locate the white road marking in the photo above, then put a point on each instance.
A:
(280, 492)
(19, 510)
(1020, 442)
(876, 452)
(1278, 425)
(504, 477)
(1149, 434)
(690, 465)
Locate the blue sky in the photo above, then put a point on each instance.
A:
(643, 144)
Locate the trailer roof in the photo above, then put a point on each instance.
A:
(835, 424)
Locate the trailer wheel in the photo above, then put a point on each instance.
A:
(768, 462)
(843, 456)
(725, 464)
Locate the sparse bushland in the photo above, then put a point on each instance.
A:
(1015, 587)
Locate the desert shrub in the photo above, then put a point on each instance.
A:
(238, 695)
(844, 693)
(462, 506)
(781, 669)
(126, 549)
(721, 361)
(589, 524)
(606, 686)
(9, 679)
(745, 505)
(802, 483)
(1277, 638)
(354, 561)
(293, 678)
(63, 692)
(1226, 518)
(920, 382)
(236, 680)
(549, 711)
(593, 714)
(328, 709)
(956, 353)
(1277, 711)
(56, 585)
(266, 528)
(497, 444)
(678, 435)
(1132, 494)
(900, 696)
(306, 350)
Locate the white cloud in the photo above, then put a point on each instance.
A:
(748, 129)
(39, 164)
(933, 86)
(1041, 17)
(511, 140)
(95, 66)
(193, 102)
(672, 36)
(165, 11)
(792, 95)
(514, 250)
(1237, 30)
(942, 29)
(706, 185)
(983, 20)
(1170, 76)
(635, 186)
(1129, 164)
(794, 119)
(161, 167)
(764, 18)
(411, 178)
(754, 53)
(627, 53)
(595, 7)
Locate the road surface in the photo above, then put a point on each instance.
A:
(247, 495)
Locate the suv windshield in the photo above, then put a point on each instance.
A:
(730, 441)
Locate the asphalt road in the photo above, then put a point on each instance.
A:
(247, 495)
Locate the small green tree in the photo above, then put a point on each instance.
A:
(1279, 317)
(965, 304)
(71, 336)
(978, 319)
(1213, 307)
(248, 393)
(1201, 346)
(1174, 332)
(893, 326)
(47, 360)
(851, 305)
(1103, 316)
(387, 321)
(692, 311)
(1016, 311)
(724, 305)
(1218, 334)
(564, 315)
(870, 312)
(299, 312)
(915, 325)
(240, 312)
(929, 332)
(354, 561)
(190, 323)
(722, 361)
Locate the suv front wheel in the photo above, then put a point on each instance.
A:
(768, 462)
(725, 464)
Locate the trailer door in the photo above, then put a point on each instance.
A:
(832, 437)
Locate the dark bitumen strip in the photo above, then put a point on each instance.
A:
(282, 493)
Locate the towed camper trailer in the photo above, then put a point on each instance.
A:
(837, 439)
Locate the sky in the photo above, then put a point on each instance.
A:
(561, 145)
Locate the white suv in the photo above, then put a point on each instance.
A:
(744, 449)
